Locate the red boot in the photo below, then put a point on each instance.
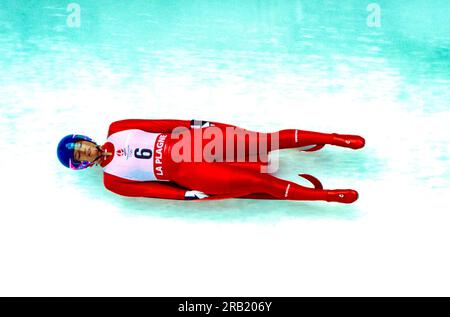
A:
(348, 140)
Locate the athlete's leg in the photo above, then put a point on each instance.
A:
(233, 144)
(300, 138)
(243, 144)
(223, 179)
(259, 143)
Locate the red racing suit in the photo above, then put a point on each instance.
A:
(143, 163)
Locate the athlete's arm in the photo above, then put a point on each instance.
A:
(160, 126)
(150, 189)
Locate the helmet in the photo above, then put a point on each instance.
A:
(66, 149)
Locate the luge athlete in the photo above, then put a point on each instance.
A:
(165, 159)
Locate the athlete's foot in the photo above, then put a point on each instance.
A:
(346, 196)
(347, 140)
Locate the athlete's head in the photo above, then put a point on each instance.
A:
(78, 152)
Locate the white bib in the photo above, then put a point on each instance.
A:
(134, 154)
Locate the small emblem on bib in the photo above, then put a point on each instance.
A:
(126, 152)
